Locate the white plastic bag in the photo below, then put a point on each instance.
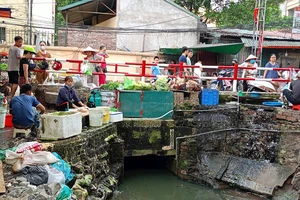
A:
(36, 158)
(32, 146)
(54, 175)
(11, 157)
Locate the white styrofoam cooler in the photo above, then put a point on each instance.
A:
(54, 126)
(116, 116)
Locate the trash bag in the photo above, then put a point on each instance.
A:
(21, 161)
(54, 175)
(65, 193)
(32, 146)
(35, 175)
(3, 153)
(64, 167)
(86, 68)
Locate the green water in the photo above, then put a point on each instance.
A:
(160, 184)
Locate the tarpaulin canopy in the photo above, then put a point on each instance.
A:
(231, 48)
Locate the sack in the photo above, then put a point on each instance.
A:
(98, 69)
(104, 70)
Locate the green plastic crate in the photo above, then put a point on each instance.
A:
(146, 104)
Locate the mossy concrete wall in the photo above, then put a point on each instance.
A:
(97, 152)
(147, 137)
(262, 150)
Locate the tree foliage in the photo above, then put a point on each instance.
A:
(60, 21)
(226, 13)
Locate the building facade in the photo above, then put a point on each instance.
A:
(131, 25)
(27, 18)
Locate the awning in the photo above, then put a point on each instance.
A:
(231, 48)
(273, 44)
(82, 12)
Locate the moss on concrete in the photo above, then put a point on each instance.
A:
(155, 137)
(137, 134)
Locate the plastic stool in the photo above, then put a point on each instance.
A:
(296, 107)
(18, 131)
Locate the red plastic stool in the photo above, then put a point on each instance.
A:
(296, 107)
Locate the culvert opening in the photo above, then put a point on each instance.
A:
(146, 162)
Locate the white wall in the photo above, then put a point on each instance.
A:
(43, 15)
(154, 14)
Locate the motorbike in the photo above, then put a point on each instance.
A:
(222, 85)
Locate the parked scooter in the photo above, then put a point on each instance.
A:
(223, 85)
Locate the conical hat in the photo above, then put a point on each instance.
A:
(89, 49)
(251, 57)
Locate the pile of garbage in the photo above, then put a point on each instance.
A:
(38, 174)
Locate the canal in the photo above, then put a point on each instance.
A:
(146, 178)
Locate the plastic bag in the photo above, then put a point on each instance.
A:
(11, 157)
(36, 158)
(65, 193)
(128, 84)
(161, 84)
(54, 175)
(35, 175)
(32, 146)
(3, 153)
(86, 68)
(64, 167)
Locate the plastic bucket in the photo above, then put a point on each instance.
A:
(2, 117)
(96, 116)
(106, 114)
(108, 98)
(8, 120)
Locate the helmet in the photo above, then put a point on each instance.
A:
(57, 65)
(29, 49)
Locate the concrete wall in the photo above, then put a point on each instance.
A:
(154, 14)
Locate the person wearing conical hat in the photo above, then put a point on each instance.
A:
(91, 55)
(24, 72)
(249, 62)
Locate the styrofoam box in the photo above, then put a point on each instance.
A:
(54, 126)
(116, 116)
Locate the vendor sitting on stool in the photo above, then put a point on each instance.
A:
(22, 108)
(293, 93)
(66, 95)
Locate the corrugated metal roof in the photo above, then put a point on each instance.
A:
(281, 35)
(83, 11)
(271, 43)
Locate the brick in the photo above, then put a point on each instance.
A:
(292, 119)
(280, 116)
(83, 38)
(287, 113)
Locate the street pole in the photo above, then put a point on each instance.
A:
(30, 25)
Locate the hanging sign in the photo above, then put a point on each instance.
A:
(296, 21)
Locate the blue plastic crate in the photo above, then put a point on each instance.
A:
(209, 97)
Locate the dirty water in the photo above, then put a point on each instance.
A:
(161, 184)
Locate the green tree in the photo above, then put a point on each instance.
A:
(237, 15)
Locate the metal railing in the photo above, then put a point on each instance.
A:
(7, 36)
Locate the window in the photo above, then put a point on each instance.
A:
(2, 34)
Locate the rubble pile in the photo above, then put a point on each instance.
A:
(32, 172)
